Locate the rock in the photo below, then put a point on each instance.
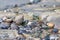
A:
(4, 18)
(8, 20)
(14, 26)
(19, 19)
(52, 36)
(1, 20)
(21, 31)
(4, 25)
(28, 16)
(51, 25)
(27, 35)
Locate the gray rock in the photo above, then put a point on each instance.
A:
(4, 25)
(14, 26)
